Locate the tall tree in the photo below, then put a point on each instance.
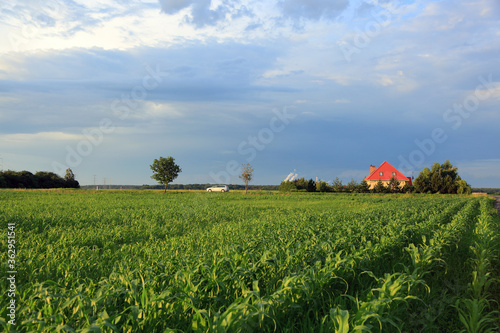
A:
(301, 183)
(436, 182)
(69, 178)
(422, 183)
(69, 175)
(311, 186)
(448, 185)
(442, 178)
(337, 185)
(165, 170)
(246, 175)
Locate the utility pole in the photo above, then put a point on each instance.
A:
(94, 179)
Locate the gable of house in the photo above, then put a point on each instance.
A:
(384, 173)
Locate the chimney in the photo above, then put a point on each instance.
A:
(372, 168)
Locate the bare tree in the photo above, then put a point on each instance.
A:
(246, 175)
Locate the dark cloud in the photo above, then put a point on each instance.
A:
(74, 88)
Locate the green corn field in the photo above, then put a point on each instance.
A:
(142, 261)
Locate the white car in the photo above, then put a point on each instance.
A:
(218, 188)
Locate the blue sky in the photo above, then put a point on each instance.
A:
(321, 88)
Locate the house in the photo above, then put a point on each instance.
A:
(384, 173)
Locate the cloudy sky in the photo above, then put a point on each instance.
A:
(323, 88)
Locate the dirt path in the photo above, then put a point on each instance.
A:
(497, 204)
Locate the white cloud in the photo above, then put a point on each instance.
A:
(155, 110)
(30, 138)
(385, 80)
(492, 92)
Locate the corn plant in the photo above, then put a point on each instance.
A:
(137, 261)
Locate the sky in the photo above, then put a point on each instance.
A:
(321, 88)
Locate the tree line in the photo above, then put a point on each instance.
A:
(41, 179)
(303, 185)
(441, 178)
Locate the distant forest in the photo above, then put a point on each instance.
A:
(183, 187)
(487, 190)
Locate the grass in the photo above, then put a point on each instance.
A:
(119, 261)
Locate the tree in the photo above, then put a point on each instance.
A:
(442, 178)
(407, 188)
(311, 186)
(246, 175)
(49, 180)
(322, 186)
(393, 185)
(379, 187)
(463, 187)
(69, 178)
(448, 185)
(363, 187)
(422, 183)
(287, 186)
(165, 170)
(41, 179)
(436, 182)
(301, 184)
(69, 175)
(337, 185)
(352, 186)
(27, 180)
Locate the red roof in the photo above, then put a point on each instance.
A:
(388, 171)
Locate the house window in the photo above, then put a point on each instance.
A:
(380, 173)
(394, 174)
